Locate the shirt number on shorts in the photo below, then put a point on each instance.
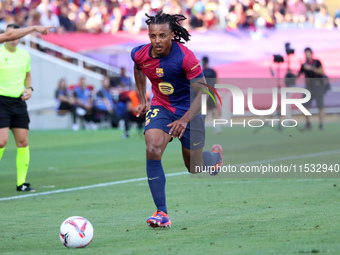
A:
(153, 112)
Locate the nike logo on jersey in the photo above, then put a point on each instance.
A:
(195, 144)
(150, 179)
(146, 65)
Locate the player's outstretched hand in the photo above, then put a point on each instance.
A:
(141, 110)
(43, 30)
(177, 128)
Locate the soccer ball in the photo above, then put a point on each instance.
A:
(76, 232)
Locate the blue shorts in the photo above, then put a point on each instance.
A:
(159, 117)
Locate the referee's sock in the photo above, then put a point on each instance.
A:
(23, 159)
(2, 152)
(156, 179)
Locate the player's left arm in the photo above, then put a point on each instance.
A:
(28, 87)
(179, 126)
(194, 73)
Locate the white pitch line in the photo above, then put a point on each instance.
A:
(167, 175)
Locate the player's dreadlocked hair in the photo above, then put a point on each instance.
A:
(173, 20)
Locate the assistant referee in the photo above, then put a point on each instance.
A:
(15, 89)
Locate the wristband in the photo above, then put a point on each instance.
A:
(31, 88)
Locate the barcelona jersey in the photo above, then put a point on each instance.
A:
(170, 75)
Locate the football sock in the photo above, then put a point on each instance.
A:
(210, 158)
(156, 179)
(2, 152)
(23, 159)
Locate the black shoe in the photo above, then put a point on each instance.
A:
(25, 187)
(320, 127)
(308, 126)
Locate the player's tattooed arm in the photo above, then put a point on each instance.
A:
(140, 79)
(178, 127)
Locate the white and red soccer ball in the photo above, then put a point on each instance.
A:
(76, 232)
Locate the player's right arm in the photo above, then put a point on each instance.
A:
(13, 34)
(140, 79)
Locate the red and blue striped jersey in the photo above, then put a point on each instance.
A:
(170, 75)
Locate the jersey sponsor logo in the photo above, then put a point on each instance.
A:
(166, 88)
(159, 72)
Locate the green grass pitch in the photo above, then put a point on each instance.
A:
(209, 215)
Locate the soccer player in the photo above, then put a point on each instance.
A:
(11, 34)
(15, 89)
(174, 71)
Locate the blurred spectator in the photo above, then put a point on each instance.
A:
(141, 18)
(64, 19)
(84, 103)
(104, 103)
(323, 19)
(94, 24)
(296, 11)
(130, 115)
(280, 11)
(7, 11)
(2, 13)
(210, 16)
(106, 23)
(34, 20)
(56, 5)
(20, 18)
(310, 4)
(115, 19)
(237, 18)
(264, 14)
(65, 102)
(197, 16)
(20, 13)
(96, 16)
(310, 15)
(125, 81)
(128, 13)
(43, 6)
(20, 6)
(50, 19)
(337, 19)
(81, 22)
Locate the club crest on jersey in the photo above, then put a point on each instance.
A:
(159, 72)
